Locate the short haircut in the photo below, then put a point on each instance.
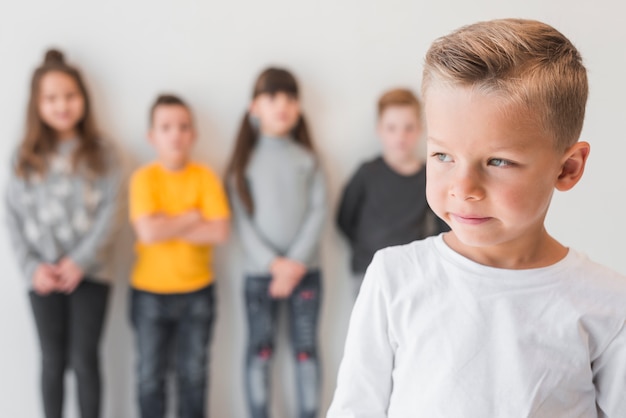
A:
(527, 62)
(167, 100)
(399, 97)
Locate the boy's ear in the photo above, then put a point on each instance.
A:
(573, 166)
(379, 128)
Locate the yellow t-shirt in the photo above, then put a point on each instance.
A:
(175, 266)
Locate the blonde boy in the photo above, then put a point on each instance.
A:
(495, 318)
(179, 210)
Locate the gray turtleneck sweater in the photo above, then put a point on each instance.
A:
(289, 194)
(62, 214)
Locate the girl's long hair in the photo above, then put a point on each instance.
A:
(40, 140)
(270, 81)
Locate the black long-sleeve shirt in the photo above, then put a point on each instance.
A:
(380, 208)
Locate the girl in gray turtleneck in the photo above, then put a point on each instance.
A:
(278, 198)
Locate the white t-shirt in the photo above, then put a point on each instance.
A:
(434, 334)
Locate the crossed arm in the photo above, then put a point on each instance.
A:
(189, 226)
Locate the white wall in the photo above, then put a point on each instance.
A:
(345, 53)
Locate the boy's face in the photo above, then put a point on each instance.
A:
(172, 134)
(491, 173)
(399, 129)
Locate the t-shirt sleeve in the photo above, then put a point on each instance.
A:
(141, 200)
(214, 203)
(364, 383)
(609, 371)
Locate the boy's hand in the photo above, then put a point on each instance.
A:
(286, 274)
(45, 279)
(208, 232)
(192, 217)
(70, 275)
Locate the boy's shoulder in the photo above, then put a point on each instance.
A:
(369, 169)
(430, 263)
(603, 284)
(200, 168)
(371, 166)
(411, 252)
(204, 174)
(403, 266)
(145, 172)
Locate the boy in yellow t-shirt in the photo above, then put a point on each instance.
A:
(178, 209)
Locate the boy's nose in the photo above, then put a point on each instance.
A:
(467, 185)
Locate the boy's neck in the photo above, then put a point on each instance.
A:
(173, 165)
(529, 253)
(405, 165)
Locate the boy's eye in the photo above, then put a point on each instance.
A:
(444, 158)
(499, 162)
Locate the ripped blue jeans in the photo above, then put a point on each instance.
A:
(261, 310)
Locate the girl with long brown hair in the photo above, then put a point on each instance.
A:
(278, 197)
(61, 208)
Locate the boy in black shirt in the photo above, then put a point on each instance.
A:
(384, 203)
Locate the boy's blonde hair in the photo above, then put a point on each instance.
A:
(399, 97)
(525, 61)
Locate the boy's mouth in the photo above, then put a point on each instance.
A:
(470, 219)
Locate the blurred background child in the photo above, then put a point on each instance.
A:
(278, 195)
(384, 203)
(179, 210)
(61, 207)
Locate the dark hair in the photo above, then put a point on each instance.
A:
(40, 140)
(271, 81)
(166, 100)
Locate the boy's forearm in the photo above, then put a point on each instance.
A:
(208, 232)
(157, 228)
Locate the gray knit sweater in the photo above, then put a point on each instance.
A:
(289, 195)
(64, 215)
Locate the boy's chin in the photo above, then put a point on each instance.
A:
(175, 160)
(401, 154)
(470, 240)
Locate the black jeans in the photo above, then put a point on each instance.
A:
(69, 328)
(261, 309)
(183, 321)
